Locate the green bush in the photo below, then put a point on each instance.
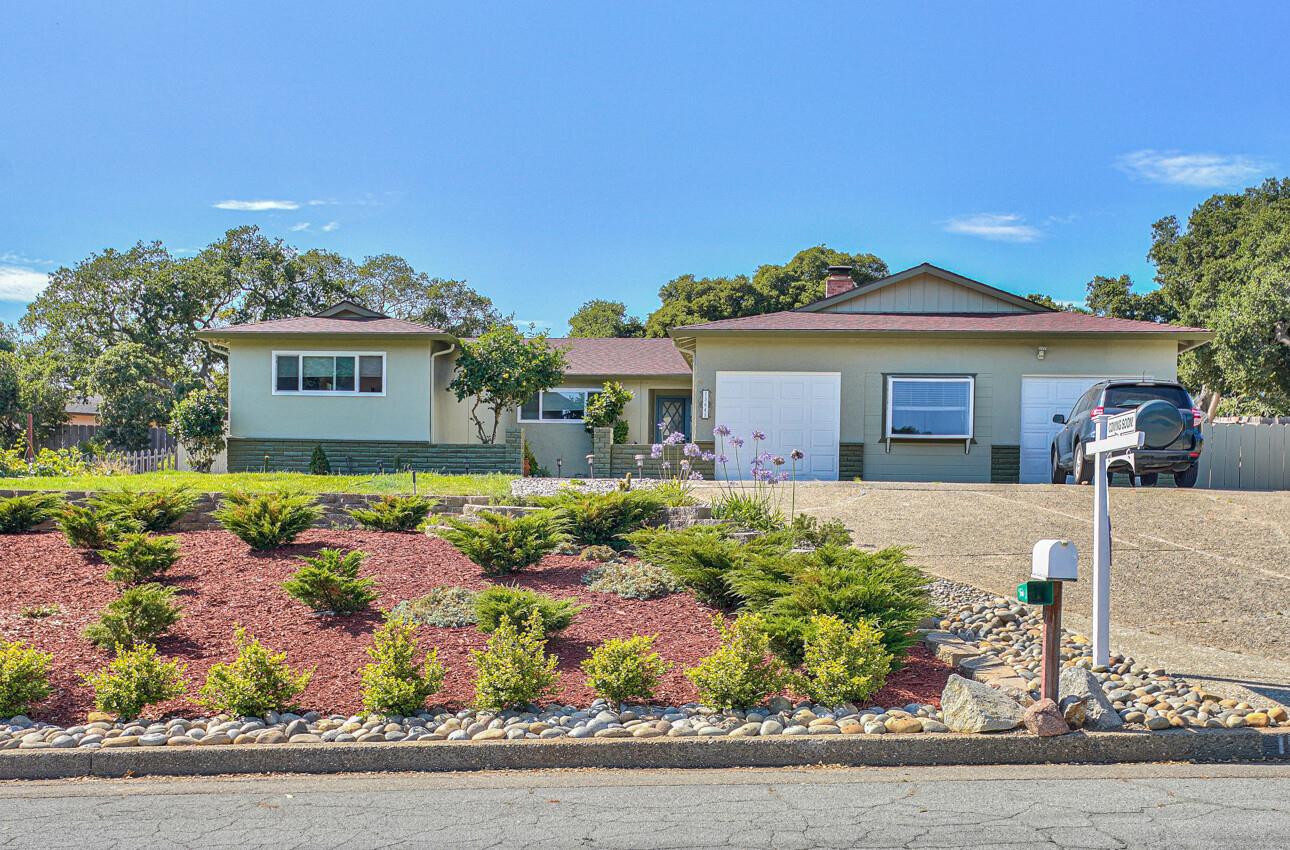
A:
(141, 614)
(881, 587)
(318, 463)
(257, 681)
(155, 510)
(24, 677)
(701, 557)
(514, 670)
(444, 606)
(755, 511)
(742, 672)
(602, 519)
(624, 668)
(137, 558)
(267, 520)
(494, 604)
(394, 513)
(605, 409)
(809, 531)
(632, 580)
(842, 663)
(134, 680)
(330, 582)
(504, 544)
(87, 528)
(393, 683)
(23, 513)
(675, 493)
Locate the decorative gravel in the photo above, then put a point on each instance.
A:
(552, 486)
(1010, 632)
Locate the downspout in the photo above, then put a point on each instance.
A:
(434, 387)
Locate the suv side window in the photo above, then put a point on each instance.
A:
(1085, 402)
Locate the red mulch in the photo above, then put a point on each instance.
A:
(222, 584)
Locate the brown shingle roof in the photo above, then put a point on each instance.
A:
(326, 325)
(989, 323)
(622, 356)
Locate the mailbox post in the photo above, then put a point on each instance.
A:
(1052, 562)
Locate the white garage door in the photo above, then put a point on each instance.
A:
(796, 410)
(1040, 399)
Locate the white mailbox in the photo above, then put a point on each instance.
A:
(1054, 560)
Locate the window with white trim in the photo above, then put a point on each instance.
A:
(328, 373)
(930, 408)
(564, 405)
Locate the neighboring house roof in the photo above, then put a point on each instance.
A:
(618, 356)
(89, 407)
(1046, 322)
(921, 269)
(342, 318)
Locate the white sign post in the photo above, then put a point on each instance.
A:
(1114, 434)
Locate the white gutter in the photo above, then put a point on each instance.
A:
(433, 389)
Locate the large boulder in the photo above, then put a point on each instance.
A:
(969, 706)
(1076, 683)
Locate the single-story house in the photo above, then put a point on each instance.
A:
(924, 375)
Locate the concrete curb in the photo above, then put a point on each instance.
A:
(870, 750)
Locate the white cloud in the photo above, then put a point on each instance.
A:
(1202, 170)
(997, 227)
(257, 206)
(24, 260)
(18, 284)
(296, 228)
(330, 226)
(316, 202)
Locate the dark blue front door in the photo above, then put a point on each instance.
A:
(672, 413)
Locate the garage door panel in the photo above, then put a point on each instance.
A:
(1041, 397)
(795, 410)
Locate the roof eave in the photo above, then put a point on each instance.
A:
(1199, 336)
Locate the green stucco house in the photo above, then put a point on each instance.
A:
(924, 375)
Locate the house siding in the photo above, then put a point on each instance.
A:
(925, 293)
(361, 457)
(997, 364)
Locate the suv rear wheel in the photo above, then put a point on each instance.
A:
(1188, 478)
(1081, 468)
(1058, 474)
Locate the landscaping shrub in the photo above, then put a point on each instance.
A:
(330, 582)
(154, 510)
(810, 532)
(267, 520)
(514, 670)
(701, 557)
(602, 519)
(87, 528)
(755, 511)
(393, 683)
(495, 604)
(624, 668)
(141, 614)
(632, 580)
(318, 463)
(257, 681)
(742, 672)
(503, 544)
(598, 553)
(394, 513)
(675, 493)
(23, 513)
(40, 611)
(134, 680)
(24, 677)
(880, 587)
(842, 663)
(137, 558)
(444, 606)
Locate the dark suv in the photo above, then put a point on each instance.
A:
(1108, 398)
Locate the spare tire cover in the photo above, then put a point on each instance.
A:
(1161, 423)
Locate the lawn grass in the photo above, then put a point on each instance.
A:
(494, 484)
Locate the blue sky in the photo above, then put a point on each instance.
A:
(553, 152)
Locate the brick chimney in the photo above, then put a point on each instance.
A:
(838, 281)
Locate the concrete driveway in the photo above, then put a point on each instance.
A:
(1200, 578)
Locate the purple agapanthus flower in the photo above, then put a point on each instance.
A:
(759, 435)
(676, 438)
(784, 476)
(796, 454)
(723, 460)
(777, 460)
(692, 450)
(656, 451)
(721, 431)
(708, 456)
(696, 476)
(764, 457)
(737, 442)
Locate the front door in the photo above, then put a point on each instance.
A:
(671, 413)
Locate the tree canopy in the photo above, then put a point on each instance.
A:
(502, 370)
(601, 318)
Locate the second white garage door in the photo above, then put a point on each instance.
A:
(796, 410)
(1040, 399)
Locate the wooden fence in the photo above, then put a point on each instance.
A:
(1245, 456)
(149, 460)
(70, 436)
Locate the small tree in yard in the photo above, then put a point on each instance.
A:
(318, 463)
(136, 394)
(501, 370)
(605, 408)
(198, 421)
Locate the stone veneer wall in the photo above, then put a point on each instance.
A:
(361, 457)
(616, 461)
(335, 507)
(850, 461)
(1005, 464)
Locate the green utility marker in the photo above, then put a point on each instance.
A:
(1035, 592)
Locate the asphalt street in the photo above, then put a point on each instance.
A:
(1173, 806)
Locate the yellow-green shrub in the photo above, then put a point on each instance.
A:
(742, 672)
(134, 680)
(842, 663)
(257, 681)
(394, 683)
(24, 677)
(625, 668)
(514, 669)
